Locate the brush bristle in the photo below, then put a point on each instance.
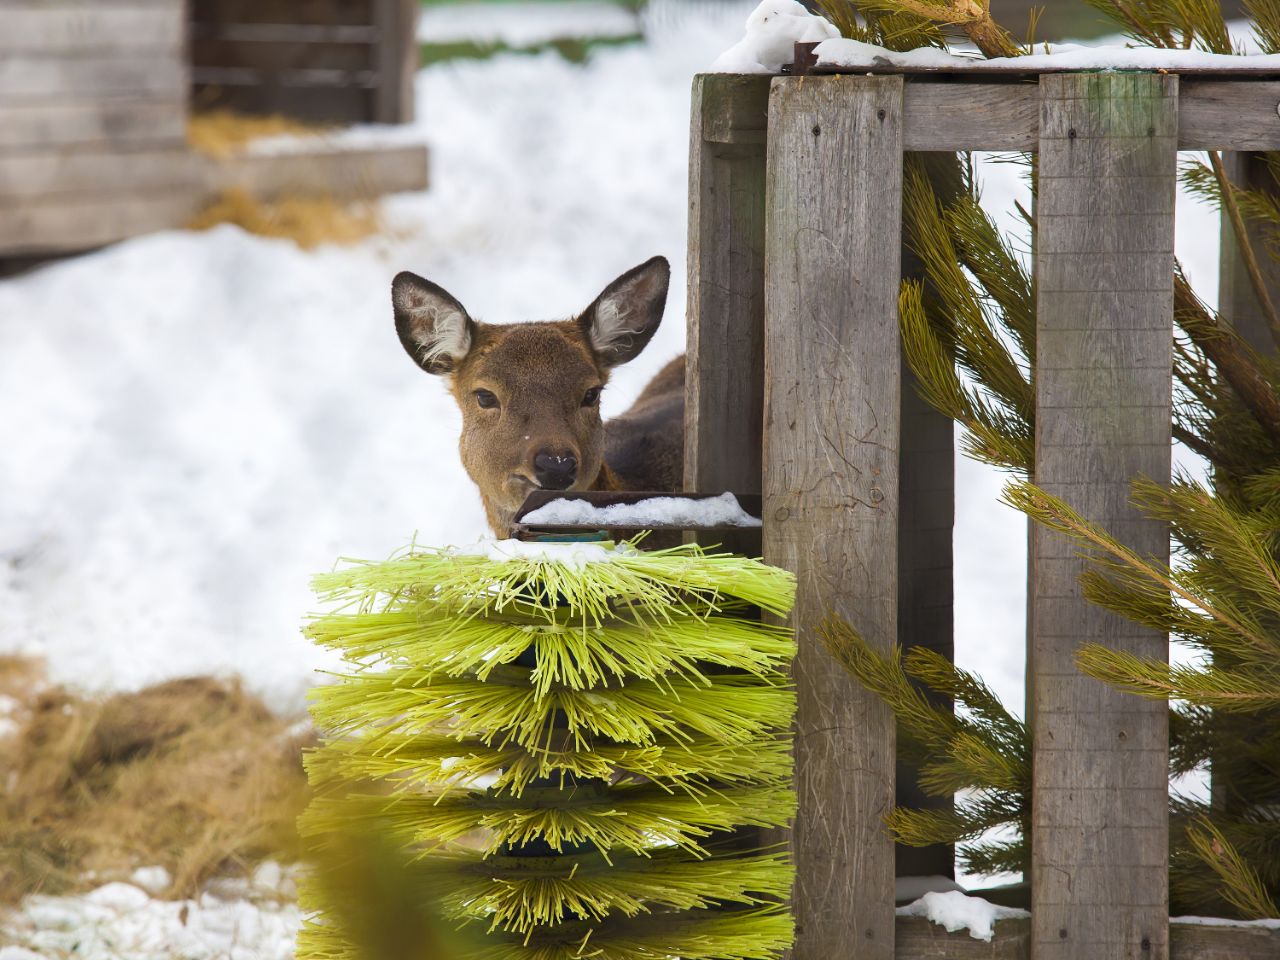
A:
(559, 754)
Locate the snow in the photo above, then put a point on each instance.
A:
(526, 24)
(1272, 924)
(955, 910)
(772, 31)
(855, 55)
(120, 921)
(775, 26)
(723, 510)
(570, 554)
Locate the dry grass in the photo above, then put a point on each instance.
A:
(307, 221)
(194, 775)
(222, 133)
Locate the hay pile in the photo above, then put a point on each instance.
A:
(194, 775)
(307, 221)
(222, 133)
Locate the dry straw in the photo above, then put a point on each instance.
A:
(560, 750)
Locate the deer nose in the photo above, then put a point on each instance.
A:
(555, 472)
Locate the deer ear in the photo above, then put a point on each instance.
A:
(433, 327)
(626, 315)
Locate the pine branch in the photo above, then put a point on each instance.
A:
(1241, 886)
(1055, 514)
(1229, 354)
(971, 17)
(1265, 15)
(1216, 688)
(1256, 279)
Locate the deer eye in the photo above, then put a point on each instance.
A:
(592, 397)
(486, 399)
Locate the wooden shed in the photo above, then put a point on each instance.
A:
(95, 97)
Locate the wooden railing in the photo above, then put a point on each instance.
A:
(797, 390)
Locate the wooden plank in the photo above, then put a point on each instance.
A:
(1237, 300)
(1229, 115)
(831, 445)
(318, 104)
(83, 28)
(346, 174)
(140, 73)
(971, 116)
(950, 114)
(326, 12)
(918, 939)
(1102, 391)
(29, 175)
(218, 59)
(724, 359)
(396, 60)
(46, 125)
(1199, 942)
(81, 223)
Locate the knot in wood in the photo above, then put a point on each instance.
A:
(817, 130)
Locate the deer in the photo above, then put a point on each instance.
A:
(530, 392)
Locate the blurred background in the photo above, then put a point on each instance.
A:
(202, 398)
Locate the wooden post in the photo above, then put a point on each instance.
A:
(724, 372)
(831, 448)
(395, 60)
(1237, 301)
(1104, 265)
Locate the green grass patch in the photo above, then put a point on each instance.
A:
(573, 49)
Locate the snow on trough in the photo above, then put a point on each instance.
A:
(772, 31)
(855, 55)
(775, 26)
(955, 910)
(723, 510)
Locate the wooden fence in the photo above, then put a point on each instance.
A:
(94, 100)
(797, 390)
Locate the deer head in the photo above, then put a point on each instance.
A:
(530, 392)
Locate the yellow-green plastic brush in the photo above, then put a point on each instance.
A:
(561, 739)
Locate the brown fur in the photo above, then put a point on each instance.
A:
(527, 390)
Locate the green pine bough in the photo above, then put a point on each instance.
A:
(559, 742)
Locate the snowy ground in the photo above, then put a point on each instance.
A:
(197, 422)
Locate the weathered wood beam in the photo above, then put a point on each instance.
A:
(87, 27)
(396, 60)
(966, 114)
(918, 939)
(1099, 873)
(724, 358)
(831, 451)
(55, 202)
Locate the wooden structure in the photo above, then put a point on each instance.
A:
(796, 390)
(348, 61)
(94, 100)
